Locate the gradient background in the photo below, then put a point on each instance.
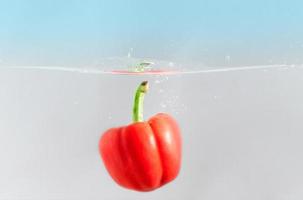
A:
(216, 33)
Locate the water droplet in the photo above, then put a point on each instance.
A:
(157, 81)
(163, 105)
(130, 52)
(227, 58)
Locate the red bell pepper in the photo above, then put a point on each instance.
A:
(142, 156)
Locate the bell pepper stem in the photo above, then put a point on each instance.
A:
(138, 102)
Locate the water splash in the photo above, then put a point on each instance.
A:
(97, 70)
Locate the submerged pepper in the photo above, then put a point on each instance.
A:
(144, 155)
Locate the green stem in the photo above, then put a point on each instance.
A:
(138, 102)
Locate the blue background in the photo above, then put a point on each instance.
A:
(234, 32)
